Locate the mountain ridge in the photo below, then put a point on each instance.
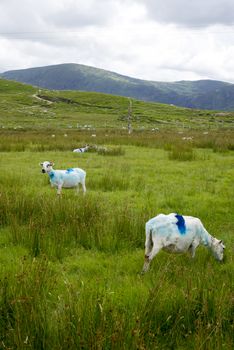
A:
(202, 94)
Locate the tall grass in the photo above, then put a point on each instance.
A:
(182, 152)
(42, 141)
(53, 226)
(70, 266)
(113, 151)
(41, 310)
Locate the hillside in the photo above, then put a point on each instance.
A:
(23, 106)
(203, 94)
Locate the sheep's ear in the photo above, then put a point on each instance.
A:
(41, 164)
(52, 163)
(221, 242)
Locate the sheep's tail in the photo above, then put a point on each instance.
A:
(148, 238)
(148, 247)
(148, 231)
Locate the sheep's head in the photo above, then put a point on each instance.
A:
(46, 166)
(218, 248)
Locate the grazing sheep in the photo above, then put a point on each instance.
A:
(178, 234)
(64, 178)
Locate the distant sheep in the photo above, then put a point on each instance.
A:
(187, 138)
(178, 234)
(82, 149)
(69, 178)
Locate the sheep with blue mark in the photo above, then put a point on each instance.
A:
(69, 178)
(175, 233)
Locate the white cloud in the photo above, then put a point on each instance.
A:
(191, 13)
(131, 37)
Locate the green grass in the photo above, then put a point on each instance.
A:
(21, 109)
(70, 266)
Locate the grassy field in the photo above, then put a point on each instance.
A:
(24, 107)
(70, 266)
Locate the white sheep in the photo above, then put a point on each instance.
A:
(178, 234)
(69, 178)
(81, 149)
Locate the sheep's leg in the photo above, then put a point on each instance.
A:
(83, 187)
(149, 258)
(78, 189)
(146, 265)
(192, 248)
(59, 189)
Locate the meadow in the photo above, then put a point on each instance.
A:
(70, 266)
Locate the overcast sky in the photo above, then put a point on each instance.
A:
(163, 40)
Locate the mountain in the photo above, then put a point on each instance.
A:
(202, 94)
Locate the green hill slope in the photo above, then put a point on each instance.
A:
(203, 94)
(23, 106)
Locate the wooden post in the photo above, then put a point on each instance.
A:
(130, 117)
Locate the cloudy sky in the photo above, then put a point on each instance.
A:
(164, 40)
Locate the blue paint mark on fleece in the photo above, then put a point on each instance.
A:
(70, 170)
(181, 224)
(51, 175)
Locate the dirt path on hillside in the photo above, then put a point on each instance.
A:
(42, 99)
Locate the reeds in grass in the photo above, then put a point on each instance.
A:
(111, 151)
(182, 152)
